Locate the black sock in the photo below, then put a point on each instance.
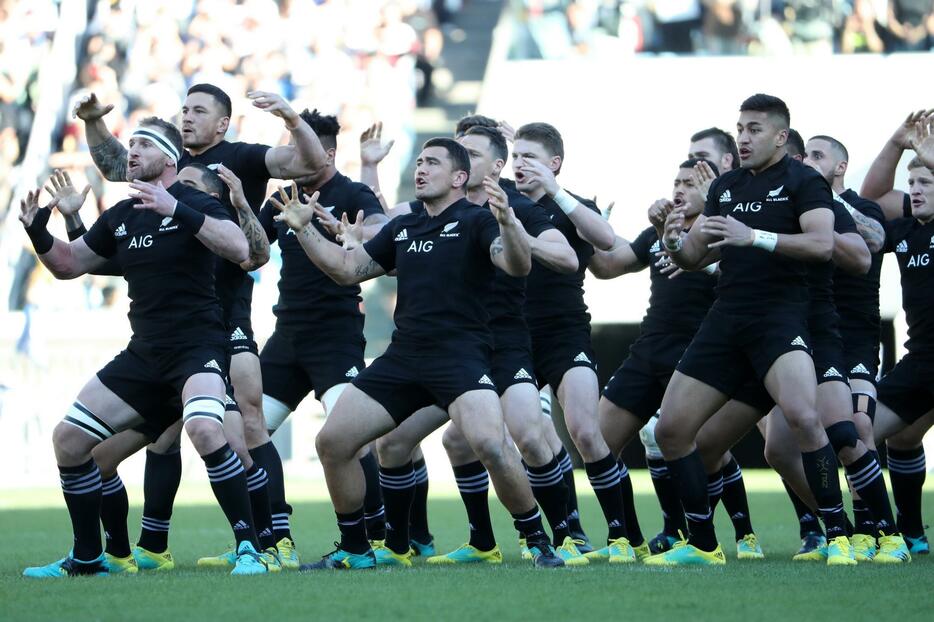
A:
(160, 483)
(225, 472)
(691, 480)
(668, 499)
(114, 509)
(81, 486)
(735, 500)
(633, 530)
(418, 515)
(864, 522)
(473, 482)
(714, 490)
(865, 476)
(574, 518)
(398, 484)
(353, 532)
(551, 493)
(907, 470)
(257, 484)
(820, 468)
(529, 525)
(604, 478)
(267, 457)
(807, 520)
(374, 514)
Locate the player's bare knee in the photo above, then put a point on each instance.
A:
(71, 444)
(532, 446)
(392, 449)
(205, 435)
(490, 450)
(669, 437)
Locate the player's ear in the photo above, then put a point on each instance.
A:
(223, 125)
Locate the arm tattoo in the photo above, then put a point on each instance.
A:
(255, 236)
(870, 229)
(363, 270)
(496, 247)
(110, 158)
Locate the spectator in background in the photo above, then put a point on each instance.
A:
(910, 25)
(859, 30)
(723, 27)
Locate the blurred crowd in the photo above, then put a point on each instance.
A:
(363, 60)
(553, 29)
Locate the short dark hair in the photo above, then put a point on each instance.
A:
(217, 93)
(795, 144)
(835, 144)
(211, 180)
(545, 134)
(723, 139)
(168, 130)
(692, 162)
(473, 120)
(768, 104)
(458, 155)
(497, 141)
(325, 126)
(917, 162)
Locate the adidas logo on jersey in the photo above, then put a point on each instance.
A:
(798, 341)
(240, 525)
(229, 401)
(902, 247)
(120, 231)
(212, 364)
(832, 373)
(237, 335)
(656, 248)
(582, 358)
(402, 236)
(446, 232)
(726, 197)
(352, 372)
(522, 375)
(860, 369)
(484, 379)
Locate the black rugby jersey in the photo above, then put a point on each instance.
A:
(169, 272)
(857, 295)
(444, 276)
(306, 294)
(821, 275)
(677, 305)
(913, 245)
(752, 279)
(555, 301)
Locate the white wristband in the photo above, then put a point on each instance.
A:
(766, 240)
(565, 201)
(673, 248)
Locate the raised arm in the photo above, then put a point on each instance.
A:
(108, 154)
(305, 155)
(345, 267)
(879, 183)
(63, 259)
(372, 152)
(619, 260)
(551, 249)
(222, 237)
(851, 253)
(814, 243)
(591, 226)
(510, 252)
(256, 238)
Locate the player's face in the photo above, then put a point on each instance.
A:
(190, 176)
(820, 155)
(203, 121)
(435, 175)
(524, 150)
(707, 149)
(145, 161)
(758, 138)
(679, 195)
(482, 161)
(921, 192)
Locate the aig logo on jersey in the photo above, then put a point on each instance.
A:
(748, 206)
(918, 261)
(140, 241)
(448, 228)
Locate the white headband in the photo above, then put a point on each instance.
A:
(160, 141)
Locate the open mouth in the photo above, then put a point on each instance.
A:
(678, 202)
(520, 176)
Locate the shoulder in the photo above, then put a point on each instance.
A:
(726, 179)
(800, 175)
(588, 203)
(864, 206)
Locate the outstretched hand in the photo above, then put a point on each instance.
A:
(28, 207)
(499, 202)
(153, 197)
(64, 196)
(905, 133)
(292, 210)
(372, 148)
(922, 141)
(88, 108)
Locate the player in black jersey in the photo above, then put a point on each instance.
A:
(444, 257)
(557, 315)
(164, 238)
(205, 117)
(905, 403)
(717, 147)
(676, 309)
(759, 317)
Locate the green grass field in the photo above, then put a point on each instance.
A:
(36, 530)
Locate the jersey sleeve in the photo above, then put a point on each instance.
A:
(871, 209)
(382, 247)
(642, 245)
(266, 221)
(712, 205)
(896, 231)
(250, 162)
(813, 193)
(842, 221)
(533, 219)
(486, 228)
(100, 237)
(367, 202)
(208, 205)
